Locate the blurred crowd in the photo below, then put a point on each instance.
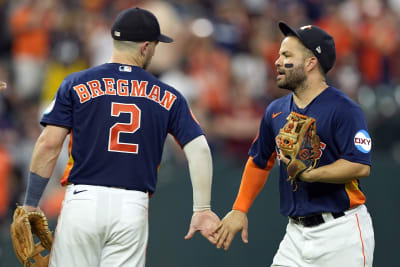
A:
(222, 61)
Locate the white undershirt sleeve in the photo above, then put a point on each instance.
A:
(199, 159)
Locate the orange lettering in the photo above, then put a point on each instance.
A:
(322, 145)
(122, 86)
(155, 93)
(168, 100)
(83, 93)
(109, 85)
(95, 87)
(138, 90)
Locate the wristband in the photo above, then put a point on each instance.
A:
(35, 189)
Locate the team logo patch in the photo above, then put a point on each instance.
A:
(362, 141)
(50, 107)
(125, 68)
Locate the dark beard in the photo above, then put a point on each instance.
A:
(294, 78)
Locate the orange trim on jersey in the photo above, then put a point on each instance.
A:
(70, 163)
(356, 197)
(253, 181)
(362, 242)
(191, 113)
(255, 138)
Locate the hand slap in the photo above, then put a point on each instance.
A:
(232, 223)
(205, 222)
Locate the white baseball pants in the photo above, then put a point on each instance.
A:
(347, 241)
(101, 227)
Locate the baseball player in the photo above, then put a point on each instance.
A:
(118, 116)
(329, 224)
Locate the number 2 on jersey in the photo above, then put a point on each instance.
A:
(134, 115)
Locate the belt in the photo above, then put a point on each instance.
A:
(110, 186)
(315, 219)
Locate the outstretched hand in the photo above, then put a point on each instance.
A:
(205, 222)
(232, 223)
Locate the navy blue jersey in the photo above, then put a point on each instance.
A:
(341, 125)
(119, 116)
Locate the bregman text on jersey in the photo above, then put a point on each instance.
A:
(129, 88)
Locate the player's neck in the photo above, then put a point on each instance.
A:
(123, 58)
(305, 94)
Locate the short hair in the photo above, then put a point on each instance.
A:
(307, 53)
(125, 45)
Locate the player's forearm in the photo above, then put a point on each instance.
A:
(338, 172)
(200, 167)
(44, 158)
(253, 180)
(47, 150)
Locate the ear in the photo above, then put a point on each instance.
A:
(311, 63)
(144, 47)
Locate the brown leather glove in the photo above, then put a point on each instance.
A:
(299, 142)
(26, 224)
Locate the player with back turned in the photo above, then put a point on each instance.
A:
(329, 225)
(118, 116)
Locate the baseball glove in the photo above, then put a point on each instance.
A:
(26, 224)
(299, 142)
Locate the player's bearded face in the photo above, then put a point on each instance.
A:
(291, 78)
(290, 64)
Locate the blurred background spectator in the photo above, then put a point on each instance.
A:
(222, 60)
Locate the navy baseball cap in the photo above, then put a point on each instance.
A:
(317, 40)
(137, 25)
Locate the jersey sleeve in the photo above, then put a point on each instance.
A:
(352, 136)
(264, 144)
(182, 123)
(59, 111)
